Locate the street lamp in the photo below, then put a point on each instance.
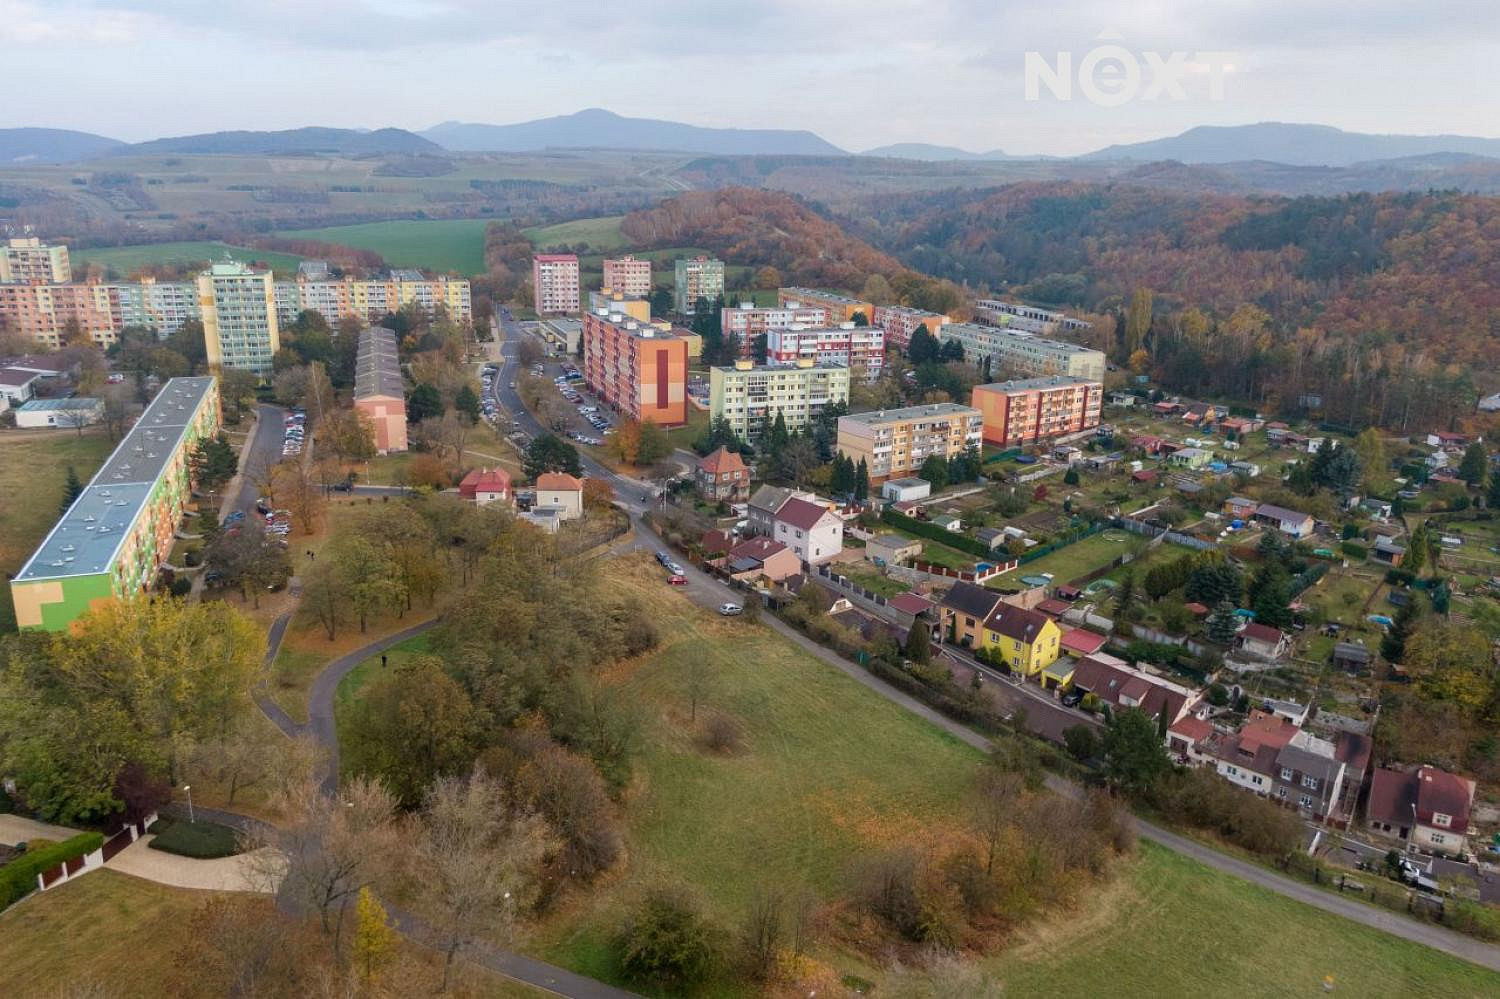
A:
(189, 789)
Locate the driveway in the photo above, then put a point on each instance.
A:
(15, 829)
(219, 874)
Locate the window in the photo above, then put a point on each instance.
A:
(1281, 792)
(1286, 773)
(1311, 783)
(1257, 780)
(1305, 800)
(1442, 819)
(1437, 837)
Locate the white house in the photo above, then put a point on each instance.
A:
(814, 533)
(71, 413)
(17, 384)
(560, 492)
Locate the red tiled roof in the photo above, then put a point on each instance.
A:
(1392, 795)
(1195, 729)
(1144, 475)
(759, 549)
(715, 541)
(1440, 791)
(490, 480)
(911, 603)
(558, 482)
(1082, 642)
(721, 461)
(801, 514)
(1053, 607)
(1261, 633)
(1195, 608)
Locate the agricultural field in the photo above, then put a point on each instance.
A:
(1160, 931)
(33, 472)
(438, 245)
(601, 234)
(123, 261)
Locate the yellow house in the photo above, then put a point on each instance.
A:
(1026, 641)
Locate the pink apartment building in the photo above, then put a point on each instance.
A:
(900, 323)
(554, 280)
(861, 349)
(628, 276)
(747, 322)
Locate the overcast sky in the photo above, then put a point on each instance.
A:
(860, 73)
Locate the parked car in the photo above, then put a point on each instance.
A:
(676, 580)
(730, 610)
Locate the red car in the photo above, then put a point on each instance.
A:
(676, 580)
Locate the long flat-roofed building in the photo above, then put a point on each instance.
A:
(746, 322)
(861, 349)
(379, 392)
(895, 442)
(750, 395)
(1023, 353)
(1033, 409)
(554, 283)
(111, 541)
(638, 368)
(841, 308)
(1027, 318)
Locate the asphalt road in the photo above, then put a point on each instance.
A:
(265, 451)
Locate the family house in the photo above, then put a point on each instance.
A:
(761, 558)
(560, 492)
(813, 532)
(1426, 806)
(1189, 457)
(722, 477)
(763, 506)
(1120, 685)
(964, 609)
(1026, 640)
(1261, 641)
(1386, 550)
(909, 608)
(1240, 507)
(484, 486)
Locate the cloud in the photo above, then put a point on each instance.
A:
(23, 23)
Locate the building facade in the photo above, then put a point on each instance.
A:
(900, 323)
(747, 322)
(698, 278)
(27, 260)
(628, 276)
(1025, 354)
(111, 541)
(638, 368)
(814, 533)
(861, 349)
(1034, 409)
(379, 392)
(638, 309)
(369, 299)
(240, 328)
(48, 313)
(554, 283)
(748, 396)
(1027, 318)
(895, 442)
(841, 308)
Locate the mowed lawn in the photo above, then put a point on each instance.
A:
(33, 474)
(1172, 927)
(128, 259)
(437, 244)
(829, 770)
(1078, 559)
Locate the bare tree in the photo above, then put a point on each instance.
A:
(996, 799)
(479, 861)
(293, 483)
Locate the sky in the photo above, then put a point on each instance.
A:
(860, 73)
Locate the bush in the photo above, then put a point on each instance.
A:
(1354, 549)
(669, 942)
(18, 877)
(202, 840)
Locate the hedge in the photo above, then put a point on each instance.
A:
(18, 878)
(932, 532)
(1354, 549)
(202, 840)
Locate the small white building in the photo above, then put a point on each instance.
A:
(905, 490)
(559, 492)
(17, 384)
(69, 413)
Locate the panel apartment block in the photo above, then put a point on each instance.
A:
(639, 369)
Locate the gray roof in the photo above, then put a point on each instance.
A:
(911, 413)
(17, 376)
(1044, 381)
(44, 405)
(377, 366)
(1352, 652)
(770, 498)
(84, 540)
(1312, 764)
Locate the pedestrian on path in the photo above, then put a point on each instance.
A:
(382, 660)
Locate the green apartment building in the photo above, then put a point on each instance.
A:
(118, 532)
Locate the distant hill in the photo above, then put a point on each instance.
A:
(925, 151)
(51, 145)
(1295, 145)
(599, 129)
(345, 141)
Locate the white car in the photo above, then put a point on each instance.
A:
(730, 610)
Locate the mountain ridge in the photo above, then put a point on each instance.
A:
(1291, 144)
(599, 128)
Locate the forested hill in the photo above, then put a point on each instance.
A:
(1380, 286)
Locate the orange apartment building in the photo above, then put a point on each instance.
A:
(1033, 409)
(900, 322)
(841, 308)
(640, 369)
(627, 276)
(378, 390)
(45, 312)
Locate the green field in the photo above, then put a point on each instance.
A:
(33, 471)
(808, 793)
(1077, 559)
(436, 245)
(1172, 927)
(600, 234)
(123, 261)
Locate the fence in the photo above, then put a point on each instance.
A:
(94, 859)
(1165, 533)
(1031, 555)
